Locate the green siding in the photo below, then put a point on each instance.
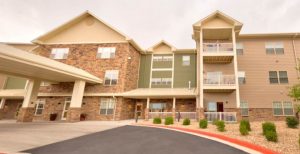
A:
(162, 74)
(162, 64)
(184, 74)
(144, 72)
(15, 83)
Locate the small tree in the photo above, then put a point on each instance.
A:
(295, 94)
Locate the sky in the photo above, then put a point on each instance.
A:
(147, 22)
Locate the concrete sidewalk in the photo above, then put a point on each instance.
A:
(15, 137)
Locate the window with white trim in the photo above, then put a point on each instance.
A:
(239, 49)
(186, 60)
(241, 77)
(107, 106)
(212, 106)
(40, 105)
(274, 48)
(162, 58)
(59, 53)
(157, 58)
(283, 108)
(167, 58)
(244, 108)
(111, 77)
(106, 52)
(276, 77)
(156, 81)
(161, 81)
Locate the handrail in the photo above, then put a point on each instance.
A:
(224, 116)
(219, 80)
(218, 47)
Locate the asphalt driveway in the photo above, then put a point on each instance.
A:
(136, 140)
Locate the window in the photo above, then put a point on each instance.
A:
(241, 77)
(59, 53)
(161, 81)
(157, 107)
(274, 48)
(239, 49)
(111, 77)
(40, 105)
(283, 78)
(106, 52)
(212, 106)
(280, 77)
(244, 108)
(273, 77)
(167, 58)
(283, 108)
(162, 58)
(186, 60)
(44, 84)
(157, 58)
(107, 106)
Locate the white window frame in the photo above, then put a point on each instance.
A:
(109, 75)
(156, 81)
(167, 58)
(275, 46)
(37, 107)
(166, 81)
(107, 104)
(282, 107)
(244, 106)
(157, 58)
(186, 60)
(59, 53)
(239, 46)
(242, 74)
(212, 104)
(106, 52)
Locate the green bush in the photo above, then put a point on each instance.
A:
(271, 136)
(220, 126)
(214, 122)
(186, 121)
(169, 121)
(244, 130)
(268, 126)
(246, 123)
(157, 120)
(203, 123)
(292, 122)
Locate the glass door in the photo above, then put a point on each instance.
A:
(66, 108)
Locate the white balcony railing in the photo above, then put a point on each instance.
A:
(224, 116)
(219, 80)
(190, 115)
(159, 115)
(217, 48)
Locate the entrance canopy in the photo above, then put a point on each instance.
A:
(21, 63)
(160, 93)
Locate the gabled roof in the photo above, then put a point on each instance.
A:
(39, 40)
(161, 43)
(220, 15)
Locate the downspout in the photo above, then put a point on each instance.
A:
(295, 53)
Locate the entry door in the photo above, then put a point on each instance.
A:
(138, 110)
(65, 109)
(220, 107)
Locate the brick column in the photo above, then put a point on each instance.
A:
(27, 111)
(73, 115)
(147, 109)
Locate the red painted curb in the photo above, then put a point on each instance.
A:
(222, 137)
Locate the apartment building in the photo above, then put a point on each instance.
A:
(227, 76)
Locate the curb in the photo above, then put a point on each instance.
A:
(239, 144)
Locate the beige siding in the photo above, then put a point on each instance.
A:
(257, 91)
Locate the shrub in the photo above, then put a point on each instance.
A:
(244, 130)
(271, 136)
(220, 126)
(292, 122)
(214, 122)
(169, 120)
(268, 126)
(246, 123)
(203, 123)
(186, 121)
(157, 120)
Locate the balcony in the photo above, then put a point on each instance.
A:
(219, 83)
(217, 53)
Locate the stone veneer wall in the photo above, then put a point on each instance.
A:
(11, 108)
(186, 105)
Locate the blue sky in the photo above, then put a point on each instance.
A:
(147, 22)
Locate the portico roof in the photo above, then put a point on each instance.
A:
(17, 62)
(160, 93)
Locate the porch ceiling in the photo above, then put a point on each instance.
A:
(160, 93)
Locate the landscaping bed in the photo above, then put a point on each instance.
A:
(287, 137)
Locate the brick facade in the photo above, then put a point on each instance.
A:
(25, 114)
(11, 109)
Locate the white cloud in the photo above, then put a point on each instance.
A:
(146, 21)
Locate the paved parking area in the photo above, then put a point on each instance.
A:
(137, 140)
(16, 137)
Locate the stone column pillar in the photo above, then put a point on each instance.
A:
(74, 111)
(174, 108)
(147, 109)
(2, 103)
(27, 110)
